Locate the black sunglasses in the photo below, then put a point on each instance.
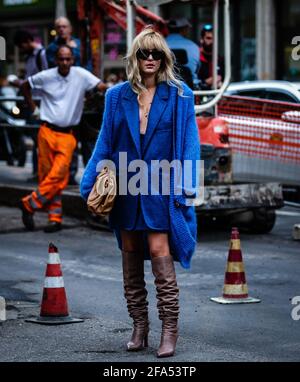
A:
(144, 54)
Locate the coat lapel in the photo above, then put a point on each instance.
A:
(131, 110)
(159, 104)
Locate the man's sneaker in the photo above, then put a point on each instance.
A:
(53, 227)
(27, 217)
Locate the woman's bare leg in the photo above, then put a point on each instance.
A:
(158, 244)
(131, 241)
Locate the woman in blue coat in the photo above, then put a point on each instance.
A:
(148, 124)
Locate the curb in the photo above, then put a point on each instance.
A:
(73, 204)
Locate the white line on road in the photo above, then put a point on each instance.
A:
(114, 273)
(287, 213)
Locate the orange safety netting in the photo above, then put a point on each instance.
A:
(261, 128)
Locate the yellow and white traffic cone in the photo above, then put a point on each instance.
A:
(235, 290)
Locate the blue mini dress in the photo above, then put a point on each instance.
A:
(140, 224)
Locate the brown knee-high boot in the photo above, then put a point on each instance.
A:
(136, 296)
(167, 304)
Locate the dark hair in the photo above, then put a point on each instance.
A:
(64, 46)
(206, 28)
(22, 36)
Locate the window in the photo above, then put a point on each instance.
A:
(255, 93)
(288, 27)
(280, 96)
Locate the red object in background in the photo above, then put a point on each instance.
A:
(213, 131)
(235, 285)
(235, 289)
(91, 17)
(54, 301)
(262, 129)
(54, 307)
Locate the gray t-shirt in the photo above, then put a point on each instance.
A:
(36, 62)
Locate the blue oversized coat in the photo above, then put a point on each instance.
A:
(168, 109)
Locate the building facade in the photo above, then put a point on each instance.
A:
(34, 16)
(262, 33)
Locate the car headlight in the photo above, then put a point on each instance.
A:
(15, 110)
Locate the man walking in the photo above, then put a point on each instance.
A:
(35, 62)
(64, 36)
(63, 89)
(177, 39)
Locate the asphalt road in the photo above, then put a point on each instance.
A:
(92, 274)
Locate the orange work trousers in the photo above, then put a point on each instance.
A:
(55, 152)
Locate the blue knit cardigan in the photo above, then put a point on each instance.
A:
(183, 226)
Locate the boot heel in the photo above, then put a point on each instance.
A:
(139, 341)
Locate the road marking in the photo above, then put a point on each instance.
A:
(114, 274)
(287, 213)
(2, 309)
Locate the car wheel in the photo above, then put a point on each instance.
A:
(263, 220)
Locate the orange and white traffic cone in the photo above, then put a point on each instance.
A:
(235, 290)
(54, 307)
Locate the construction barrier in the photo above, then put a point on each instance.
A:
(268, 132)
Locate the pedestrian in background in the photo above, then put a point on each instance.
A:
(36, 59)
(63, 89)
(35, 62)
(177, 40)
(139, 119)
(64, 36)
(205, 73)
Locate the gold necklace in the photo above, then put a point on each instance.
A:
(146, 113)
(144, 109)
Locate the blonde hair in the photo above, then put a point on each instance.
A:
(150, 39)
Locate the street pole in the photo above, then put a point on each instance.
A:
(60, 9)
(215, 45)
(265, 40)
(130, 23)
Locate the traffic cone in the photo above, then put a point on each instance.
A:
(235, 290)
(54, 307)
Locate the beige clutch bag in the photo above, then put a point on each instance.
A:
(101, 198)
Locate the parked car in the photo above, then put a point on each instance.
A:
(12, 139)
(272, 90)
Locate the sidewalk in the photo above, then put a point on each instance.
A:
(14, 185)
